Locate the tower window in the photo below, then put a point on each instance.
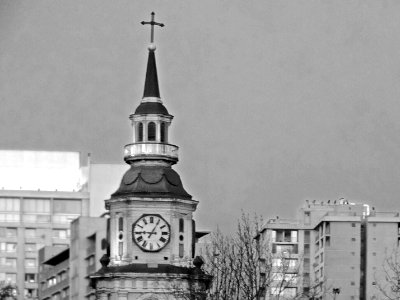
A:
(151, 131)
(181, 225)
(120, 248)
(121, 224)
(181, 250)
(140, 133)
(162, 132)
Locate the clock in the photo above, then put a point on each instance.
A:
(151, 233)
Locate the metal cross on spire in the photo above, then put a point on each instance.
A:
(152, 23)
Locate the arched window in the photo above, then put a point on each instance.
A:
(181, 225)
(151, 131)
(140, 133)
(162, 132)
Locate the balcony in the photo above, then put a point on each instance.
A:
(138, 151)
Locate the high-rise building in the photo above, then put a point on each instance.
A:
(40, 195)
(152, 231)
(53, 274)
(65, 274)
(334, 247)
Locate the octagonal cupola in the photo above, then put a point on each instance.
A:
(150, 123)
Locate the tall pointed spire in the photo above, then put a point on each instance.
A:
(151, 84)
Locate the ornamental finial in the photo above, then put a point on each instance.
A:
(152, 23)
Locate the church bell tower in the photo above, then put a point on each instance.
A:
(152, 231)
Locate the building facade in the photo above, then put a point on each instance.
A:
(335, 248)
(30, 221)
(152, 231)
(65, 274)
(39, 198)
(41, 193)
(54, 273)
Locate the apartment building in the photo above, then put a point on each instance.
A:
(65, 274)
(333, 247)
(41, 192)
(39, 196)
(54, 273)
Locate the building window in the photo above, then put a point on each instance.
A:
(51, 281)
(11, 277)
(56, 296)
(11, 232)
(61, 233)
(9, 204)
(307, 236)
(285, 249)
(140, 132)
(66, 292)
(151, 131)
(181, 225)
(9, 262)
(293, 236)
(9, 208)
(327, 228)
(162, 132)
(353, 224)
(353, 239)
(306, 249)
(181, 250)
(41, 206)
(30, 232)
(121, 224)
(67, 206)
(8, 247)
(63, 275)
(30, 247)
(120, 248)
(30, 293)
(29, 277)
(30, 262)
(327, 241)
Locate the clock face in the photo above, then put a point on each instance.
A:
(151, 233)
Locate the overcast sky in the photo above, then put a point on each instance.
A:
(275, 102)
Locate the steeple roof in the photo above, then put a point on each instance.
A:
(151, 84)
(151, 103)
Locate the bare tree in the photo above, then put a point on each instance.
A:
(244, 267)
(388, 280)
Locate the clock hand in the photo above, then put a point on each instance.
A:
(152, 232)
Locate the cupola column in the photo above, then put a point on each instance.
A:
(158, 132)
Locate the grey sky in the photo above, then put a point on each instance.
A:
(274, 101)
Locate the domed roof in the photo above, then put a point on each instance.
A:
(151, 181)
(151, 108)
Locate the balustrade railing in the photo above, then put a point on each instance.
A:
(141, 150)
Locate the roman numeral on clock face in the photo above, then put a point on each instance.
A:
(162, 239)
